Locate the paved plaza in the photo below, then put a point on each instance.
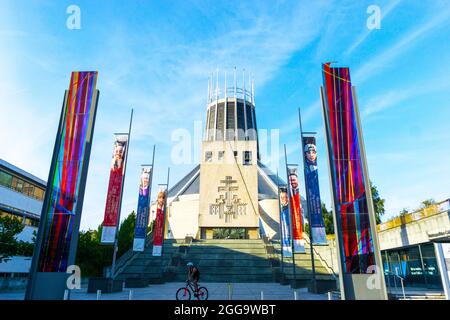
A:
(217, 291)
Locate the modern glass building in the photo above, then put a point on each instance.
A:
(21, 196)
(416, 264)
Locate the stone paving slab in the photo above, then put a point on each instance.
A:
(217, 291)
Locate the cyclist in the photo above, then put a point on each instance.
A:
(193, 276)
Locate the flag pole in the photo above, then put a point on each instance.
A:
(314, 281)
(116, 240)
(290, 217)
(281, 225)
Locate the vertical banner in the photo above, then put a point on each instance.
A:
(140, 230)
(285, 223)
(318, 235)
(347, 174)
(296, 213)
(65, 188)
(158, 230)
(118, 162)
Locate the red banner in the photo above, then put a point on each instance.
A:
(296, 212)
(158, 229)
(113, 197)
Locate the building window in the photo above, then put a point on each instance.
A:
(17, 184)
(247, 158)
(38, 193)
(220, 155)
(28, 189)
(5, 179)
(235, 154)
(208, 156)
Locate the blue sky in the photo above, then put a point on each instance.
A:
(157, 56)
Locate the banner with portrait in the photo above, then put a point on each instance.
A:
(114, 195)
(68, 170)
(142, 214)
(318, 235)
(286, 245)
(296, 212)
(158, 229)
(347, 173)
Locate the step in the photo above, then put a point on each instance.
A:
(230, 270)
(228, 278)
(225, 256)
(226, 241)
(225, 250)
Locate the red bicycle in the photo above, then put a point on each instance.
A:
(186, 292)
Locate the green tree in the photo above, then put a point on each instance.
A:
(92, 256)
(126, 234)
(378, 203)
(426, 203)
(404, 212)
(327, 219)
(9, 228)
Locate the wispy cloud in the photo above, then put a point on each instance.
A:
(396, 97)
(385, 11)
(389, 54)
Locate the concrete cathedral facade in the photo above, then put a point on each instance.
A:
(230, 194)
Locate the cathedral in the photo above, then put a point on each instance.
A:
(231, 193)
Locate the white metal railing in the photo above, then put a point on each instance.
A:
(231, 92)
(402, 280)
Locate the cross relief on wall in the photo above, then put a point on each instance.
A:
(228, 205)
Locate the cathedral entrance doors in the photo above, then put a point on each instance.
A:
(230, 233)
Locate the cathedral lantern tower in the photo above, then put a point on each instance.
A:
(228, 201)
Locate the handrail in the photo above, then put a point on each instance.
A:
(324, 261)
(130, 255)
(401, 281)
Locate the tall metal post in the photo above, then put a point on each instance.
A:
(338, 236)
(314, 281)
(116, 240)
(373, 223)
(150, 191)
(290, 217)
(281, 225)
(41, 230)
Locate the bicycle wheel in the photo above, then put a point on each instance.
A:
(202, 293)
(183, 294)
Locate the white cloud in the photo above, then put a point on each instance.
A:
(363, 36)
(389, 54)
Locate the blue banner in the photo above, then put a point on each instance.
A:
(140, 230)
(286, 245)
(318, 235)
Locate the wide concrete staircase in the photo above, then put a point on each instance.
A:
(227, 261)
(220, 261)
(301, 275)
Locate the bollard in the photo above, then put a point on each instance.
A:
(130, 295)
(66, 294)
(295, 295)
(230, 291)
(99, 294)
(330, 297)
(262, 295)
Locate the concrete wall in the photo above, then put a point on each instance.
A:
(269, 217)
(414, 232)
(20, 201)
(183, 217)
(211, 175)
